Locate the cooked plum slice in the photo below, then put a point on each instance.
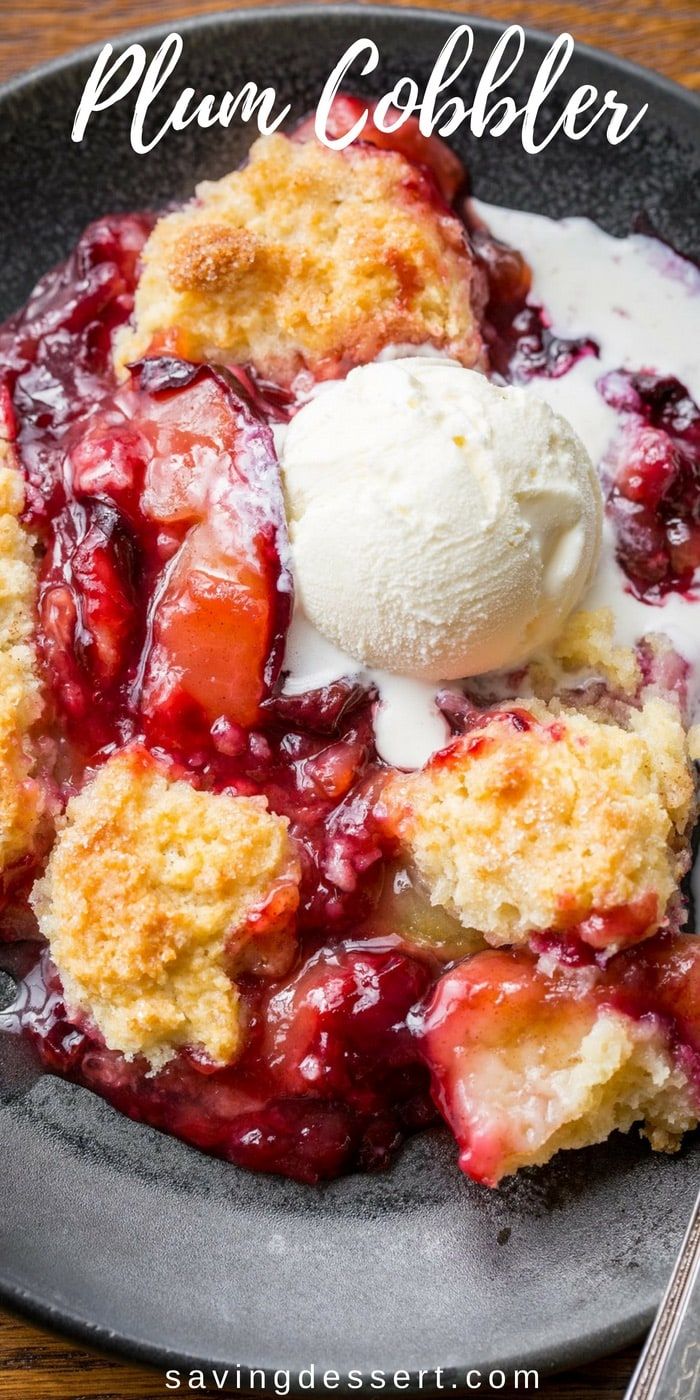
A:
(165, 581)
(654, 482)
(526, 1061)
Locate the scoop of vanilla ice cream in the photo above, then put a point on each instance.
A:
(441, 526)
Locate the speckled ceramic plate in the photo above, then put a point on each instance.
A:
(131, 1239)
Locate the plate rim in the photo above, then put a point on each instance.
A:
(578, 1350)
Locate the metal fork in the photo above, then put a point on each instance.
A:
(669, 1366)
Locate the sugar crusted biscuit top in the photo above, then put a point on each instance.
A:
(536, 822)
(22, 798)
(153, 897)
(307, 258)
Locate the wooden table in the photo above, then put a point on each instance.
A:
(661, 34)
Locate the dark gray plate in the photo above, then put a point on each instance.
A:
(129, 1238)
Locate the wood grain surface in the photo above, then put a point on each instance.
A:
(34, 1363)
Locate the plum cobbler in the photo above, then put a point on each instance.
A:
(346, 707)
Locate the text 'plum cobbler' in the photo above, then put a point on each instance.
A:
(326, 809)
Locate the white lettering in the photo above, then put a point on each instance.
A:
(441, 109)
(453, 113)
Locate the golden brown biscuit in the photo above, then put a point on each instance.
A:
(307, 258)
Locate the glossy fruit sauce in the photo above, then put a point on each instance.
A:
(654, 482)
(140, 496)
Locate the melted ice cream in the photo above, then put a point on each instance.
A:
(639, 302)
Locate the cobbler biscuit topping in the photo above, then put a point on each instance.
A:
(155, 896)
(308, 259)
